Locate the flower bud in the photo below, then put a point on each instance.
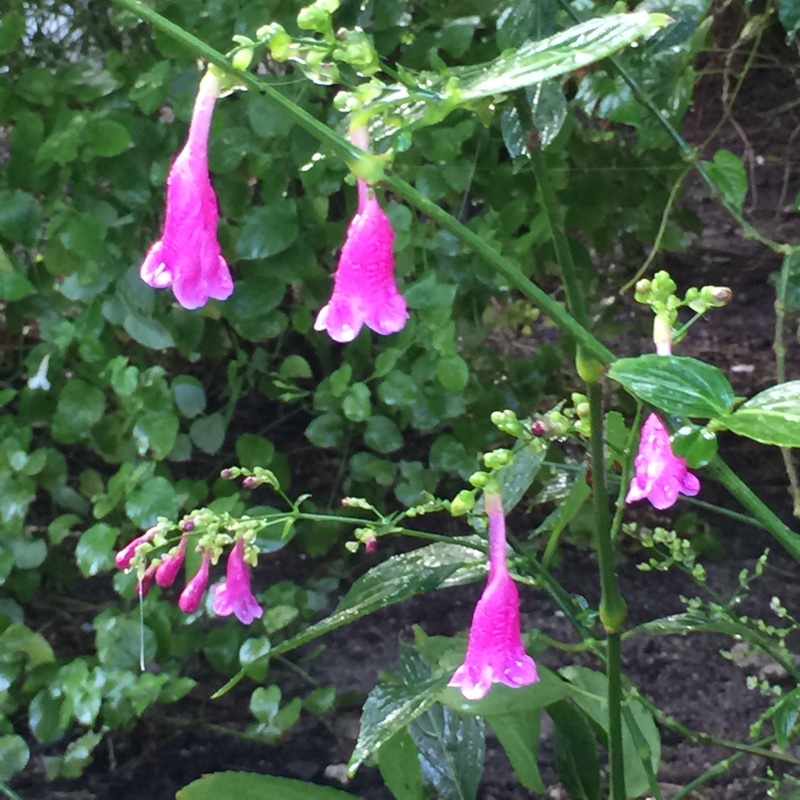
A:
(125, 557)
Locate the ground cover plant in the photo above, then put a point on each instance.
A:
(285, 282)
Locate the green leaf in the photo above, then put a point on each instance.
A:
(15, 286)
(14, 753)
(94, 552)
(728, 173)
(518, 734)
(678, 385)
(576, 753)
(156, 431)
(12, 29)
(106, 138)
(357, 404)
(44, 716)
(254, 451)
(190, 396)
(383, 435)
(398, 761)
(697, 446)
(148, 332)
(453, 373)
(80, 406)
(548, 110)
(547, 690)
(77, 756)
(388, 709)
(267, 231)
(789, 15)
(154, 498)
(327, 430)
(592, 699)
(20, 217)
(249, 786)
(119, 640)
(523, 20)
(208, 433)
(771, 417)
(396, 579)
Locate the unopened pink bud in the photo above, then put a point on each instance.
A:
(371, 544)
(192, 593)
(125, 556)
(250, 482)
(187, 525)
(538, 428)
(168, 569)
(143, 586)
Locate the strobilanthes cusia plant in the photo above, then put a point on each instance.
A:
(187, 257)
(495, 652)
(364, 287)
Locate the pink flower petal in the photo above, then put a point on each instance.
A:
(233, 595)
(364, 288)
(187, 257)
(660, 475)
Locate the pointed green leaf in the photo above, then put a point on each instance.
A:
(518, 734)
(678, 385)
(249, 786)
(398, 761)
(727, 172)
(771, 417)
(576, 754)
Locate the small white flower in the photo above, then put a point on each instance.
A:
(39, 380)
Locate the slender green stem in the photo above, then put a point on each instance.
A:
(9, 792)
(615, 754)
(765, 516)
(779, 348)
(351, 154)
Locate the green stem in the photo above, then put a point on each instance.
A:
(351, 154)
(615, 754)
(9, 792)
(765, 516)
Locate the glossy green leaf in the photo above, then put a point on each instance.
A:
(576, 752)
(148, 332)
(592, 698)
(789, 15)
(727, 172)
(254, 451)
(190, 396)
(155, 498)
(677, 385)
(453, 373)
(208, 433)
(267, 231)
(80, 406)
(398, 761)
(327, 430)
(15, 286)
(771, 417)
(547, 690)
(14, 755)
(398, 578)
(106, 137)
(95, 551)
(156, 431)
(20, 217)
(357, 403)
(518, 734)
(697, 446)
(249, 786)
(383, 435)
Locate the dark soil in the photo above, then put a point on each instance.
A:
(687, 677)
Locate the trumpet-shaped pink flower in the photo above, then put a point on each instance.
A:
(167, 570)
(364, 288)
(233, 595)
(187, 257)
(659, 475)
(192, 593)
(125, 556)
(495, 653)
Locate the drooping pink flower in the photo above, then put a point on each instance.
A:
(495, 652)
(192, 593)
(659, 475)
(125, 556)
(233, 595)
(167, 570)
(364, 288)
(187, 257)
(143, 585)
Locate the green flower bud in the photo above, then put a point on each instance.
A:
(462, 503)
(497, 459)
(479, 479)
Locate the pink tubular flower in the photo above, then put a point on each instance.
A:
(125, 556)
(233, 595)
(192, 593)
(660, 475)
(187, 257)
(495, 652)
(364, 288)
(167, 570)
